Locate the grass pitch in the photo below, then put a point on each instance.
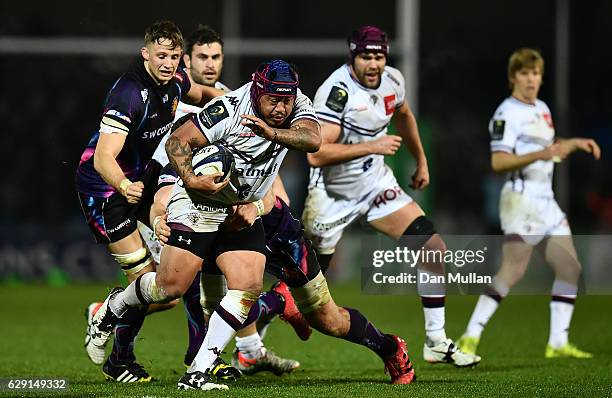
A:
(42, 330)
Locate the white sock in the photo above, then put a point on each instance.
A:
(561, 311)
(218, 335)
(484, 310)
(222, 326)
(250, 346)
(434, 325)
(147, 288)
(560, 318)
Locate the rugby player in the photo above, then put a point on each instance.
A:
(221, 120)
(523, 145)
(349, 178)
(203, 59)
(112, 180)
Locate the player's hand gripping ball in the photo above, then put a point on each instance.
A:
(211, 159)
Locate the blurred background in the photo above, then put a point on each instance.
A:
(59, 59)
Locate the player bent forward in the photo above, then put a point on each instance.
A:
(257, 122)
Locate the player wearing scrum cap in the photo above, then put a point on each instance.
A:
(523, 144)
(258, 123)
(203, 57)
(289, 255)
(114, 182)
(349, 178)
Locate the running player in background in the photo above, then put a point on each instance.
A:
(114, 183)
(523, 144)
(349, 178)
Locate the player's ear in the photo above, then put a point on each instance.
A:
(187, 60)
(144, 51)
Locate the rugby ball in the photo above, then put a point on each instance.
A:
(211, 159)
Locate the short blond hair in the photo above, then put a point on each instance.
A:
(164, 30)
(524, 58)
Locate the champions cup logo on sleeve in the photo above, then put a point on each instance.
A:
(213, 114)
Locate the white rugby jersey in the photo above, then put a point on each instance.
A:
(257, 159)
(521, 128)
(182, 109)
(364, 115)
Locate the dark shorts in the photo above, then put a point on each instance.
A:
(112, 219)
(109, 219)
(210, 245)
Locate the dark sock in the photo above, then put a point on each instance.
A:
(127, 329)
(196, 325)
(324, 261)
(364, 333)
(494, 294)
(269, 304)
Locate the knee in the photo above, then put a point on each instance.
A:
(435, 243)
(171, 287)
(250, 286)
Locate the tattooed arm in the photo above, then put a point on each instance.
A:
(303, 135)
(179, 148)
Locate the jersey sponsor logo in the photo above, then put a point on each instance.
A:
(254, 172)
(390, 104)
(144, 94)
(207, 207)
(497, 130)
(112, 112)
(336, 101)
(157, 132)
(387, 195)
(213, 114)
(245, 133)
(548, 118)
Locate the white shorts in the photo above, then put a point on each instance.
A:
(531, 217)
(325, 218)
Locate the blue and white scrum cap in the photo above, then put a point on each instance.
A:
(275, 77)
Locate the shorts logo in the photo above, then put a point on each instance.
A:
(390, 104)
(118, 227)
(387, 195)
(181, 239)
(320, 227)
